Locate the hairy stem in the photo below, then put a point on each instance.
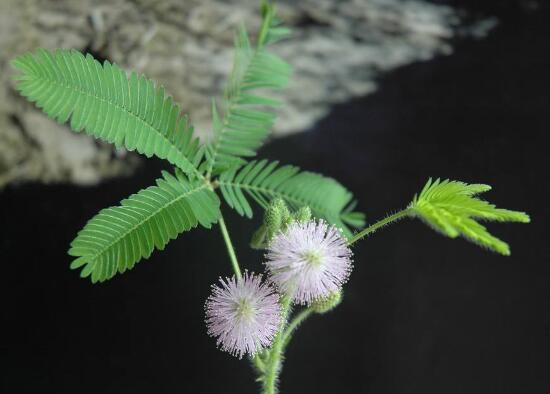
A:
(381, 223)
(293, 325)
(230, 249)
(272, 365)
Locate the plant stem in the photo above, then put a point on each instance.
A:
(273, 363)
(298, 319)
(230, 249)
(379, 224)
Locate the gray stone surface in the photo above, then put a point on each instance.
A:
(338, 49)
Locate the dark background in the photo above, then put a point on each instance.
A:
(422, 313)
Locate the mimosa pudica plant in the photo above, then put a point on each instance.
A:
(309, 221)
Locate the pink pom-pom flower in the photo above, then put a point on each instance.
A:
(243, 314)
(309, 261)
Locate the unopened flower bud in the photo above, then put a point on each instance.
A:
(324, 305)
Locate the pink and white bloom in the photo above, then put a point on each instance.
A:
(243, 314)
(309, 261)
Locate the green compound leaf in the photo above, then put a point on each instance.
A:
(118, 237)
(451, 207)
(247, 118)
(103, 102)
(264, 181)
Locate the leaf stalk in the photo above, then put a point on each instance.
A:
(381, 223)
(230, 248)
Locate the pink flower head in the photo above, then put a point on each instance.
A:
(309, 261)
(243, 314)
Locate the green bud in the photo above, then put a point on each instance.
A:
(276, 218)
(303, 214)
(327, 304)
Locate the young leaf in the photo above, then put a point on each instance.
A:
(246, 121)
(118, 237)
(451, 208)
(264, 181)
(103, 102)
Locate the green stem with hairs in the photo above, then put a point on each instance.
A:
(274, 357)
(293, 325)
(381, 223)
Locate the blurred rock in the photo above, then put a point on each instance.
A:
(338, 50)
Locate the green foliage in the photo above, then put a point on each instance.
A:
(247, 120)
(103, 102)
(264, 181)
(451, 207)
(118, 237)
(132, 112)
